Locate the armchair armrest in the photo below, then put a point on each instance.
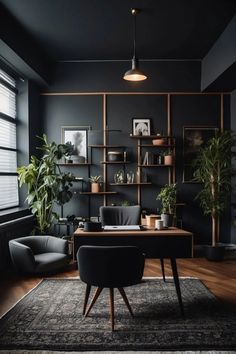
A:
(22, 256)
(58, 245)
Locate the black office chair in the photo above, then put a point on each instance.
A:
(120, 215)
(109, 267)
(124, 215)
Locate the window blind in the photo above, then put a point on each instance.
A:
(8, 153)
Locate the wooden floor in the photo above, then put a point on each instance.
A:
(219, 277)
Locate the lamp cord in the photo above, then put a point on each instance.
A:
(134, 36)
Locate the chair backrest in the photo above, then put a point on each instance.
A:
(110, 266)
(120, 215)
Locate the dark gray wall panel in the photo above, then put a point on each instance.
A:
(107, 76)
(61, 111)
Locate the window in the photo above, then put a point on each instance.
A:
(8, 153)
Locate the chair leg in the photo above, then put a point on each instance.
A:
(112, 308)
(163, 269)
(87, 292)
(123, 294)
(95, 297)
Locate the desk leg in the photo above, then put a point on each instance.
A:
(177, 286)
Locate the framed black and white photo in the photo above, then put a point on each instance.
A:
(141, 126)
(194, 138)
(77, 136)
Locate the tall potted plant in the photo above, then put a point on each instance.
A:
(214, 170)
(167, 196)
(46, 183)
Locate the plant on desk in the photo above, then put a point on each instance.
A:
(167, 196)
(46, 183)
(95, 183)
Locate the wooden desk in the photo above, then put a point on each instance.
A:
(171, 243)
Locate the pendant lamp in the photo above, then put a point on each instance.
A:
(134, 74)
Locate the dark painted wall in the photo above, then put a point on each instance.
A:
(218, 66)
(199, 110)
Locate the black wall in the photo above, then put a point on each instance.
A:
(197, 109)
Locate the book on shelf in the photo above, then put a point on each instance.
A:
(148, 158)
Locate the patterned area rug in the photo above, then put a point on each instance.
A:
(49, 318)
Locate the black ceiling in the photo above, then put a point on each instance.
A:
(102, 29)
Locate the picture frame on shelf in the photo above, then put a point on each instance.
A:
(141, 126)
(194, 138)
(77, 136)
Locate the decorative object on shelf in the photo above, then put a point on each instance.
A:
(130, 177)
(168, 158)
(95, 183)
(159, 141)
(213, 169)
(167, 196)
(134, 74)
(46, 184)
(119, 177)
(76, 137)
(115, 156)
(194, 138)
(141, 126)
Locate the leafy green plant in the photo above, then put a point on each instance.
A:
(213, 169)
(167, 196)
(46, 183)
(95, 179)
(125, 203)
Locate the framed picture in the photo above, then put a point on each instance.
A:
(194, 138)
(78, 137)
(141, 126)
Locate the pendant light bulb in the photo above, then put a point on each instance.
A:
(134, 74)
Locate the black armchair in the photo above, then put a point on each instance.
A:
(120, 215)
(38, 254)
(109, 267)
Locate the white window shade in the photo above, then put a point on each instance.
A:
(7, 161)
(8, 149)
(7, 134)
(8, 192)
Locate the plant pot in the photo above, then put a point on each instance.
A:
(168, 160)
(167, 220)
(159, 141)
(214, 253)
(95, 187)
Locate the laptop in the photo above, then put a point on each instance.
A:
(121, 228)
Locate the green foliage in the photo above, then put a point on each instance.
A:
(167, 196)
(213, 168)
(95, 179)
(125, 203)
(46, 183)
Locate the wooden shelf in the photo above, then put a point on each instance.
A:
(131, 184)
(106, 146)
(157, 146)
(99, 193)
(160, 165)
(114, 162)
(151, 137)
(75, 164)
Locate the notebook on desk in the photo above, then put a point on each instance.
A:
(122, 228)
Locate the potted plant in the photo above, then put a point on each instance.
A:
(46, 183)
(214, 170)
(167, 196)
(95, 183)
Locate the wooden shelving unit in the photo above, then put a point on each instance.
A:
(98, 193)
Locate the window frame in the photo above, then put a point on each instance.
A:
(12, 120)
